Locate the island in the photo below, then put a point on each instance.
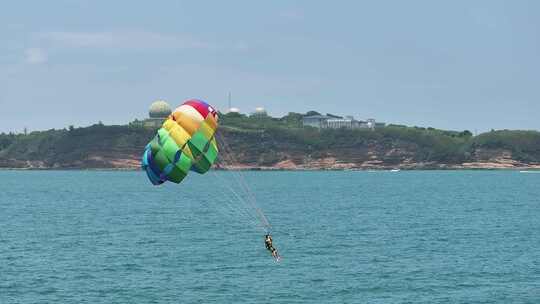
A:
(291, 142)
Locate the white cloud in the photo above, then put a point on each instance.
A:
(35, 56)
(291, 15)
(240, 46)
(124, 40)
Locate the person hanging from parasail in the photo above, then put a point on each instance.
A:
(270, 246)
(187, 142)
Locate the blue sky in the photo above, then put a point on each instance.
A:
(447, 64)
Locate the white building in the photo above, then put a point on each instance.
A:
(348, 122)
(370, 122)
(157, 113)
(233, 110)
(259, 112)
(316, 121)
(323, 121)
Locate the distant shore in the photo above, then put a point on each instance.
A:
(407, 167)
(282, 144)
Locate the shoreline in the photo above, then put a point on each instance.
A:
(270, 169)
(326, 164)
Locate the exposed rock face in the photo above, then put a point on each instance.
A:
(133, 163)
(332, 163)
(364, 160)
(91, 162)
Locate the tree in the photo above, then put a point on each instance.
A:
(466, 133)
(292, 119)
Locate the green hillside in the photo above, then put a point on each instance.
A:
(266, 141)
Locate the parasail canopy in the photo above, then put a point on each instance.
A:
(186, 141)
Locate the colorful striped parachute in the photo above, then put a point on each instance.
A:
(185, 142)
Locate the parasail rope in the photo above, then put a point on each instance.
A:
(247, 209)
(241, 180)
(244, 212)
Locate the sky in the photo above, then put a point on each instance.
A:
(446, 64)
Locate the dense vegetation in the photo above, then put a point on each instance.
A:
(524, 145)
(265, 141)
(392, 144)
(69, 146)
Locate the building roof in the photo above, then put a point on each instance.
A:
(317, 117)
(259, 111)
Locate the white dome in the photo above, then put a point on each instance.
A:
(234, 110)
(259, 111)
(159, 109)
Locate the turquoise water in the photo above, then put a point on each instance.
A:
(346, 237)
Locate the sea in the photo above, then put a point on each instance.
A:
(344, 237)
